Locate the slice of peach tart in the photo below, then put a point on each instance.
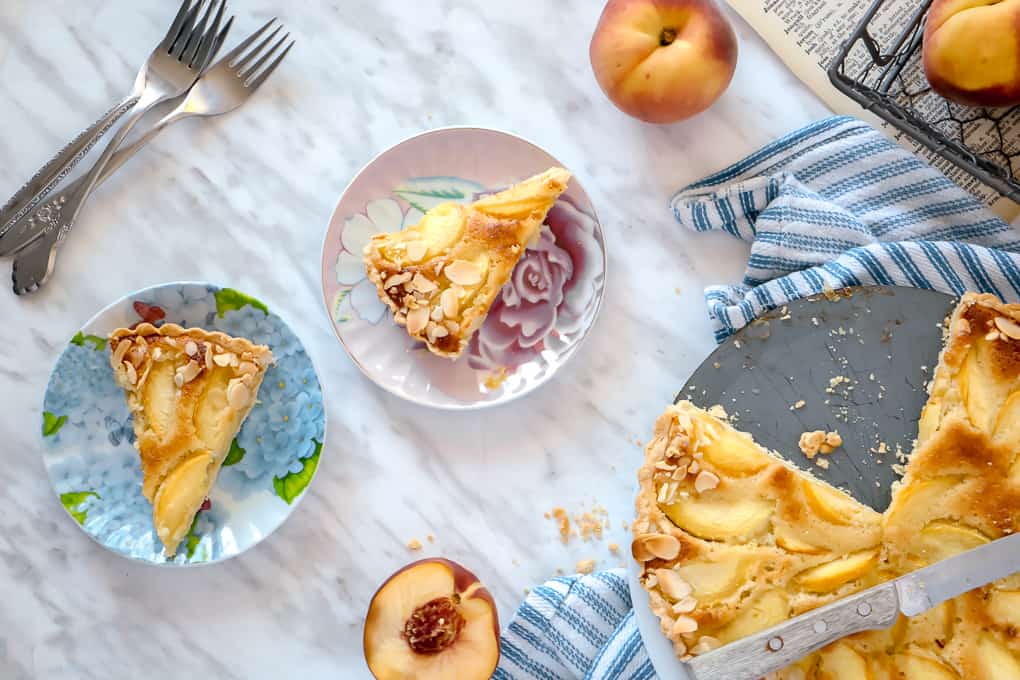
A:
(189, 391)
(731, 539)
(440, 276)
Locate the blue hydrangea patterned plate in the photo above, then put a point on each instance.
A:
(88, 438)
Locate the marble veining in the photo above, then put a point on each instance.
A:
(243, 200)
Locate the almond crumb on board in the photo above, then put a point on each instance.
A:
(819, 441)
(414, 544)
(585, 566)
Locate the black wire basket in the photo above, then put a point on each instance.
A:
(888, 80)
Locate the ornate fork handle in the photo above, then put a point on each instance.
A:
(42, 182)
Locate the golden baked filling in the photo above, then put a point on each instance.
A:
(440, 276)
(733, 540)
(189, 390)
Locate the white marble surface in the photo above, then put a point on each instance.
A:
(243, 200)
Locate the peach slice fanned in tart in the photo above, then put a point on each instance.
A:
(189, 391)
(732, 540)
(441, 276)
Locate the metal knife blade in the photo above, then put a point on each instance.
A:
(921, 590)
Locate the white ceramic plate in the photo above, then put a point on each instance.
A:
(534, 326)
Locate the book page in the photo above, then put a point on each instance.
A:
(808, 34)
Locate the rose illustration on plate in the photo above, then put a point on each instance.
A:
(550, 293)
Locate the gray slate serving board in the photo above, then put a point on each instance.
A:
(885, 340)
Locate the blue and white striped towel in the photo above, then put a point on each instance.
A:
(832, 205)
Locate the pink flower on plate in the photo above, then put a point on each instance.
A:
(550, 293)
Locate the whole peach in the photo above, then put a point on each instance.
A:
(663, 60)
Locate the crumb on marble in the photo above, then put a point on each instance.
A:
(614, 548)
(586, 566)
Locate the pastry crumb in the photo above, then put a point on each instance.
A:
(718, 411)
(496, 378)
(819, 441)
(414, 544)
(586, 566)
(564, 523)
(430, 538)
(822, 463)
(614, 548)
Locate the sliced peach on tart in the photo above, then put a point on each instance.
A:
(432, 620)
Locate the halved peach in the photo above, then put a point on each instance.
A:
(432, 620)
(831, 575)
(719, 517)
(842, 662)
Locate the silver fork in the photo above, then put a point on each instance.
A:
(221, 89)
(169, 71)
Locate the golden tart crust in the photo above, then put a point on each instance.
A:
(441, 276)
(189, 390)
(757, 541)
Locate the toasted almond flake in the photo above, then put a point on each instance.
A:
(694, 468)
(208, 359)
(452, 326)
(137, 355)
(118, 353)
(417, 319)
(247, 368)
(463, 273)
(706, 644)
(1008, 327)
(222, 360)
(706, 481)
(685, 605)
(424, 285)
(648, 546)
(440, 331)
(992, 336)
(172, 342)
(684, 625)
(132, 374)
(191, 348)
(238, 394)
(671, 585)
(450, 303)
(437, 313)
(187, 373)
(416, 251)
(397, 280)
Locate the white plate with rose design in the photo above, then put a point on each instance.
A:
(539, 318)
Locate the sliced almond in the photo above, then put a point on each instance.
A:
(247, 368)
(225, 359)
(452, 326)
(992, 336)
(650, 546)
(132, 374)
(705, 481)
(191, 348)
(417, 319)
(671, 585)
(694, 468)
(440, 331)
(186, 373)
(1008, 327)
(463, 273)
(238, 394)
(423, 285)
(416, 251)
(397, 280)
(684, 625)
(120, 351)
(136, 355)
(685, 605)
(450, 303)
(208, 356)
(437, 313)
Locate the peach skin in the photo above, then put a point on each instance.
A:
(663, 60)
(972, 51)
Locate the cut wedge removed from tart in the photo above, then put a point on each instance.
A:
(189, 391)
(731, 539)
(441, 276)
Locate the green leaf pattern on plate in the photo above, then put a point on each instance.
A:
(80, 339)
(291, 485)
(52, 423)
(72, 502)
(235, 455)
(228, 299)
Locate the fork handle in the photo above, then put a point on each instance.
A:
(51, 174)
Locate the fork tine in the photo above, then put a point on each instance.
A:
(181, 41)
(232, 56)
(261, 78)
(205, 53)
(242, 63)
(175, 27)
(220, 39)
(197, 34)
(248, 71)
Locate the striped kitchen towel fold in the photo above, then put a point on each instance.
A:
(835, 204)
(838, 204)
(575, 627)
